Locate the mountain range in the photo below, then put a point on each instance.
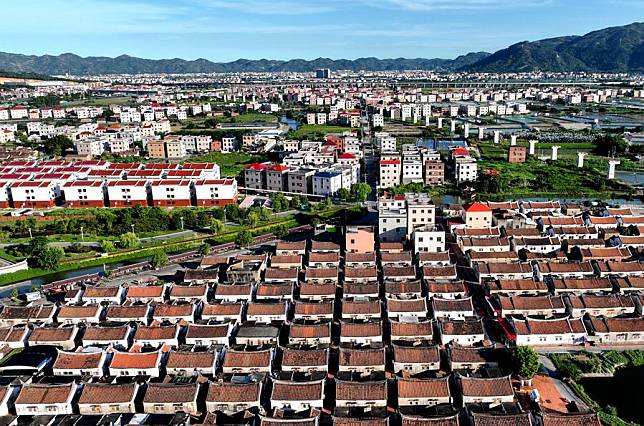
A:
(615, 49)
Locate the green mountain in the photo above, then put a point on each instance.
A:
(124, 64)
(615, 49)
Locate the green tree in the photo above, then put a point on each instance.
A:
(36, 246)
(159, 260)
(204, 249)
(57, 145)
(216, 226)
(281, 231)
(14, 294)
(361, 191)
(107, 246)
(253, 218)
(50, 258)
(233, 213)
(343, 194)
(128, 240)
(526, 361)
(244, 238)
(279, 202)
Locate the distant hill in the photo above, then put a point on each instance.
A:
(124, 64)
(615, 49)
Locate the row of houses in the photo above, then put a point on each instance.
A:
(25, 184)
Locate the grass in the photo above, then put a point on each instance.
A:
(315, 131)
(561, 177)
(231, 164)
(249, 117)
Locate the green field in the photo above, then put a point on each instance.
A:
(231, 164)
(560, 177)
(315, 131)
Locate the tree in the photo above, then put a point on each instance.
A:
(14, 293)
(526, 362)
(279, 202)
(253, 218)
(204, 249)
(107, 246)
(159, 260)
(343, 194)
(361, 191)
(36, 246)
(216, 226)
(233, 212)
(244, 238)
(57, 145)
(128, 240)
(281, 231)
(50, 257)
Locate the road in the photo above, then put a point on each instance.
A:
(186, 233)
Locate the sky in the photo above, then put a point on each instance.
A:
(225, 30)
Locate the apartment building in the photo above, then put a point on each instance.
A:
(171, 193)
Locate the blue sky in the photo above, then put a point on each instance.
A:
(225, 30)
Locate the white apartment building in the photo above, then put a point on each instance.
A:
(429, 238)
(465, 169)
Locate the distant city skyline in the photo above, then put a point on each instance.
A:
(226, 30)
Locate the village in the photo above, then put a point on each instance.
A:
(399, 248)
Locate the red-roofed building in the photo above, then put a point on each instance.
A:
(216, 192)
(127, 193)
(171, 193)
(84, 193)
(477, 215)
(33, 194)
(390, 172)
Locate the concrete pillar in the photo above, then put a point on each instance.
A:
(580, 159)
(440, 122)
(452, 126)
(382, 110)
(466, 130)
(427, 120)
(497, 136)
(555, 149)
(513, 140)
(481, 133)
(611, 168)
(532, 143)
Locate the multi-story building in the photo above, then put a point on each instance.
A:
(516, 154)
(327, 182)
(215, 192)
(301, 181)
(127, 193)
(156, 149)
(390, 171)
(255, 176)
(465, 169)
(277, 178)
(229, 144)
(84, 193)
(174, 148)
(33, 194)
(171, 193)
(421, 212)
(429, 238)
(434, 172)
